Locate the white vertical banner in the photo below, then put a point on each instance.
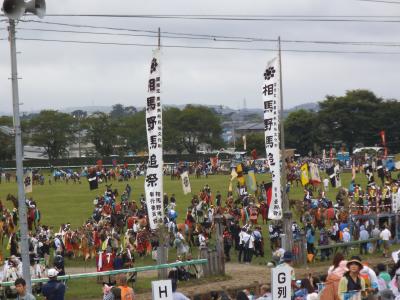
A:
(187, 189)
(28, 182)
(337, 176)
(153, 184)
(272, 103)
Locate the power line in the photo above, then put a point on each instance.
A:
(224, 38)
(208, 47)
(380, 1)
(87, 26)
(237, 18)
(222, 15)
(166, 33)
(135, 35)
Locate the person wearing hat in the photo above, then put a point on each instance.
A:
(53, 289)
(287, 260)
(351, 281)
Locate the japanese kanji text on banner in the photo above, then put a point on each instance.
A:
(153, 184)
(271, 100)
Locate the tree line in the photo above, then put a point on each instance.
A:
(119, 132)
(352, 120)
(342, 122)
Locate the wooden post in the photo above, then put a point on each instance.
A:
(162, 251)
(211, 254)
(304, 248)
(220, 244)
(396, 218)
(206, 267)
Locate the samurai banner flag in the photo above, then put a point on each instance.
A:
(153, 184)
(251, 181)
(383, 138)
(337, 176)
(186, 183)
(304, 174)
(271, 100)
(314, 174)
(28, 182)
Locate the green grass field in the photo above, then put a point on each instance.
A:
(73, 203)
(61, 203)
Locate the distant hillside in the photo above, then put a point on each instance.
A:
(223, 110)
(88, 109)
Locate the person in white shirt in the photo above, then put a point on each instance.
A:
(248, 240)
(242, 234)
(202, 240)
(385, 236)
(326, 184)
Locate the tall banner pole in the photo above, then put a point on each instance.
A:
(287, 214)
(272, 103)
(153, 184)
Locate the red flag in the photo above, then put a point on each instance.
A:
(268, 191)
(254, 154)
(383, 137)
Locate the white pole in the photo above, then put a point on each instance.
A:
(23, 225)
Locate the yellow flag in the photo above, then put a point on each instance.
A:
(304, 174)
(242, 181)
(233, 174)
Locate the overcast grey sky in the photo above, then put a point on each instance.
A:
(59, 75)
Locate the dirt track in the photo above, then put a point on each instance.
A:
(241, 276)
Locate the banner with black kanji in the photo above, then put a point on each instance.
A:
(28, 182)
(187, 189)
(153, 184)
(271, 100)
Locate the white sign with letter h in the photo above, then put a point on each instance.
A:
(162, 290)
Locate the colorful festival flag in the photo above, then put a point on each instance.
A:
(305, 179)
(268, 192)
(251, 181)
(383, 138)
(314, 174)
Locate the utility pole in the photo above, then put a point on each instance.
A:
(159, 38)
(162, 231)
(23, 224)
(287, 214)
